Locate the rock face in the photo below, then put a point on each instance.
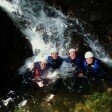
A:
(96, 13)
(14, 49)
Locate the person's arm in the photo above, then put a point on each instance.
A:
(49, 60)
(80, 72)
(36, 74)
(36, 78)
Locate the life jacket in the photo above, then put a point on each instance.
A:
(95, 68)
(54, 63)
(76, 62)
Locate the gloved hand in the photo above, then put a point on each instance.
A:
(50, 97)
(40, 83)
(80, 75)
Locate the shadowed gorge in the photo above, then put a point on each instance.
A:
(14, 47)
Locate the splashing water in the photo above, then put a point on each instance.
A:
(45, 28)
(43, 25)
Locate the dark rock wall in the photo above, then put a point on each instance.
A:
(14, 49)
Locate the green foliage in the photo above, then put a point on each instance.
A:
(98, 102)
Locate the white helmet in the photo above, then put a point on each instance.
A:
(72, 50)
(89, 54)
(44, 60)
(54, 50)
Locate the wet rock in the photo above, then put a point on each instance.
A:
(14, 49)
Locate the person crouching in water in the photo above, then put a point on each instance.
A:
(74, 59)
(35, 78)
(54, 62)
(40, 70)
(76, 63)
(93, 69)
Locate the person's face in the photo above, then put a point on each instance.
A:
(54, 55)
(43, 65)
(89, 60)
(73, 55)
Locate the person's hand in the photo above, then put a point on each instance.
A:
(40, 84)
(50, 97)
(80, 75)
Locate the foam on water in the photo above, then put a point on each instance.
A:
(45, 28)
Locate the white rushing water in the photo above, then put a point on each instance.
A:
(45, 28)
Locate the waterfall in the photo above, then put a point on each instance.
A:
(45, 27)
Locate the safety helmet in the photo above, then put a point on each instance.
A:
(44, 60)
(72, 50)
(89, 54)
(54, 50)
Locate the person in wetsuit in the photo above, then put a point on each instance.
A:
(55, 62)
